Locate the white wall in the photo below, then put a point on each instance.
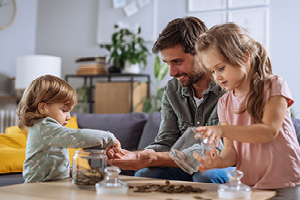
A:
(16, 40)
(68, 29)
(285, 44)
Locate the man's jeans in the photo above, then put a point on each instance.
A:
(170, 173)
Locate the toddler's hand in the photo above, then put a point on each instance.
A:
(116, 149)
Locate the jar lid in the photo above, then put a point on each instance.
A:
(111, 184)
(234, 188)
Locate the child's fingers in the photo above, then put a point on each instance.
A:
(201, 128)
(201, 169)
(215, 151)
(210, 140)
(217, 143)
(196, 155)
(110, 153)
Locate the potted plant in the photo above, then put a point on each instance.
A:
(127, 48)
(153, 103)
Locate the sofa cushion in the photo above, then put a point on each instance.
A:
(150, 130)
(11, 179)
(296, 123)
(126, 127)
(12, 150)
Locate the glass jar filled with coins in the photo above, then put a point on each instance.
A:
(88, 168)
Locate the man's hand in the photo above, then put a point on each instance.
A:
(133, 160)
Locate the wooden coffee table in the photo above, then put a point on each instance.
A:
(64, 189)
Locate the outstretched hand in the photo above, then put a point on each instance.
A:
(211, 161)
(133, 160)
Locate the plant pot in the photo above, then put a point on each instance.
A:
(131, 68)
(114, 70)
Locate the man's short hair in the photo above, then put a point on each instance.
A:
(181, 31)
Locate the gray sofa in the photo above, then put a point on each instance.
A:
(134, 130)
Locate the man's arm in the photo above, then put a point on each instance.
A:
(168, 132)
(141, 159)
(157, 153)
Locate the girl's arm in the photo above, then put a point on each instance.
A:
(273, 117)
(227, 157)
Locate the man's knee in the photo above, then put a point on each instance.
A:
(168, 173)
(212, 176)
(150, 173)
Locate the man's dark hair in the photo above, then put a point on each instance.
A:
(181, 31)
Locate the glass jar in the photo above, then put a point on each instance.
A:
(88, 168)
(183, 150)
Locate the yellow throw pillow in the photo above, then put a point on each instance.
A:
(72, 123)
(12, 151)
(15, 130)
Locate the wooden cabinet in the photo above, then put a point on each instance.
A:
(115, 93)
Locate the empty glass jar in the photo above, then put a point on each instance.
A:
(88, 168)
(184, 148)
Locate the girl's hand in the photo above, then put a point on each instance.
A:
(211, 161)
(213, 133)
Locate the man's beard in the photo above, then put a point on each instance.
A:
(194, 76)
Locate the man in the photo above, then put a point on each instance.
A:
(190, 99)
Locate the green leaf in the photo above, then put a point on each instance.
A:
(160, 93)
(147, 106)
(139, 103)
(127, 46)
(163, 71)
(156, 66)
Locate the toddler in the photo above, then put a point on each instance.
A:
(45, 109)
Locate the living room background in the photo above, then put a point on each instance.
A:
(68, 29)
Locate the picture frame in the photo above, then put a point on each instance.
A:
(255, 20)
(246, 3)
(105, 25)
(206, 5)
(119, 3)
(211, 18)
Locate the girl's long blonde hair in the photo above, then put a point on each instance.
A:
(235, 44)
(47, 89)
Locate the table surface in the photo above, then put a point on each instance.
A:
(64, 189)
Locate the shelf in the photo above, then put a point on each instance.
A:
(89, 80)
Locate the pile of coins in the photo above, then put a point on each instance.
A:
(89, 177)
(167, 188)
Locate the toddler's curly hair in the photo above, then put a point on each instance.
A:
(47, 89)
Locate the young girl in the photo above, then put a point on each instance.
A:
(262, 143)
(45, 109)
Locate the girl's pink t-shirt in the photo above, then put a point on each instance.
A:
(265, 165)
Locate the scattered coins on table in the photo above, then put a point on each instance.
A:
(167, 188)
(89, 177)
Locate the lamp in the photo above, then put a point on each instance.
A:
(30, 67)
